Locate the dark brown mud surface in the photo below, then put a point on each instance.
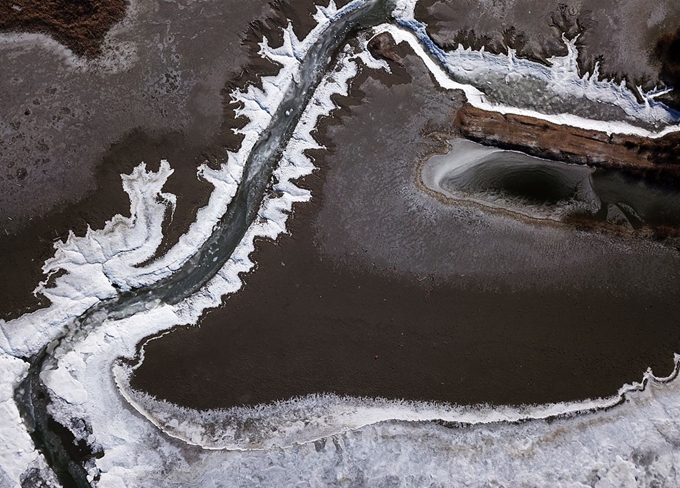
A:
(380, 291)
(79, 25)
(667, 51)
(303, 326)
(26, 245)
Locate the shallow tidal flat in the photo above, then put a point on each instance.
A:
(382, 290)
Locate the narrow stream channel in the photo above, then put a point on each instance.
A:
(32, 397)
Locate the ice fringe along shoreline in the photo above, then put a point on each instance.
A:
(314, 417)
(88, 360)
(475, 68)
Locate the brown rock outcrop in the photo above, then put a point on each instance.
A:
(79, 25)
(651, 158)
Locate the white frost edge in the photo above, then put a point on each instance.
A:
(102, 258)
(105, 260)
(562, 77)
(313, 417)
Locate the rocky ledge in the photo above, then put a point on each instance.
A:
(657, 159)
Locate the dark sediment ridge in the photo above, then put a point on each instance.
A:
(81, 26)
(653, 158)
(312, 319)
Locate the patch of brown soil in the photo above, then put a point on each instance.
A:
(80, 25)
(384, 47)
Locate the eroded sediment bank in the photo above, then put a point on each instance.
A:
(653, 158)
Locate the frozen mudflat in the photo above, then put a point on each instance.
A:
(319, 440)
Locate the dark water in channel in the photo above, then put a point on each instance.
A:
(652, 203)
(520, 177)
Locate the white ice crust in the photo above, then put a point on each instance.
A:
(562, 79)
(87, 381)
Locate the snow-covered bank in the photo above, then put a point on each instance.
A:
(108, 258)
(631, 444)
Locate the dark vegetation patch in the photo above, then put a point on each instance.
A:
(667, 51)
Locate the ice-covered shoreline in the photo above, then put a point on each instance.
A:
(314, 417)
(80, 376)
(562, 77)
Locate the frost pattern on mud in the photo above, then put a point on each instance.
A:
(82, 386)
(469, 71)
